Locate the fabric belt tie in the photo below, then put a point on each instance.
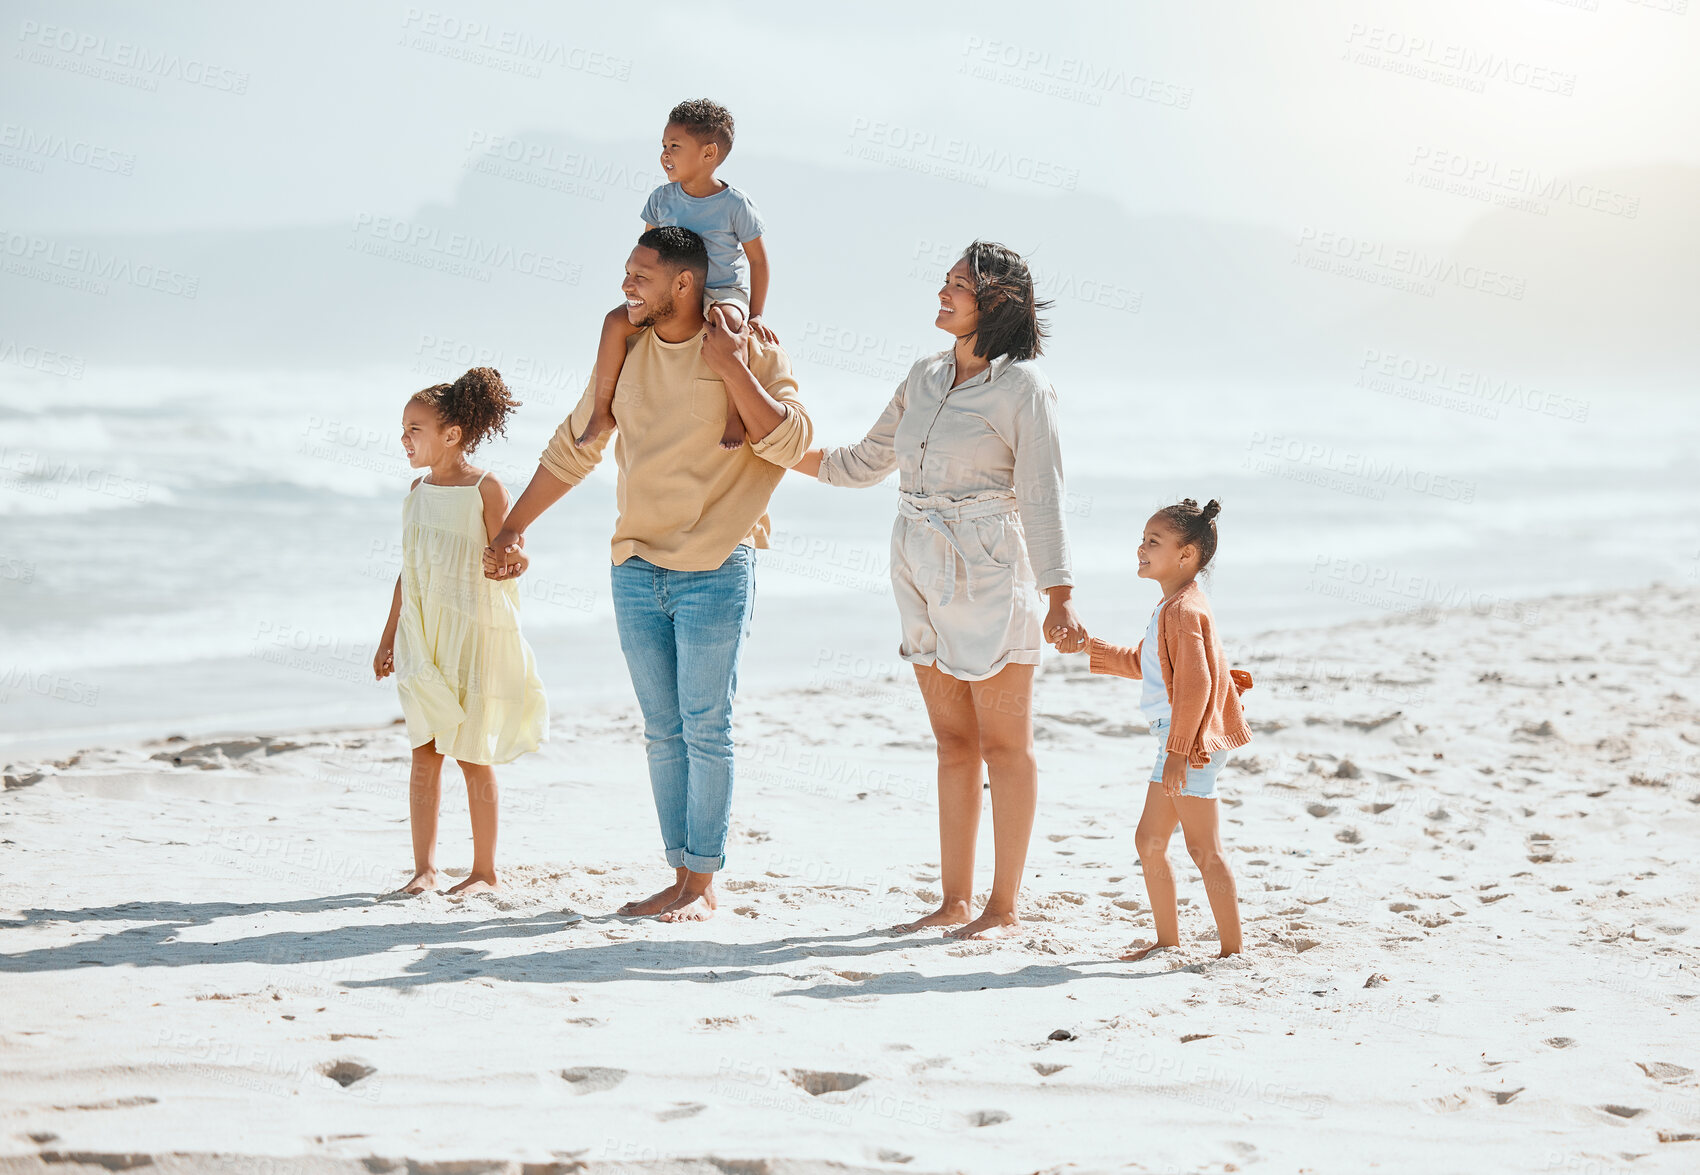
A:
(938, 511)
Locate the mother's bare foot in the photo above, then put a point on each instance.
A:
(949, 913)
(421, 881)
(653, 904)
(477, 884)
(691, 907)
(1138, 951)
(987, 925)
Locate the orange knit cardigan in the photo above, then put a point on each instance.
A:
(1204, 694)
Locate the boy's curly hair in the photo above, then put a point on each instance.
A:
(706, 120)
(478, 401)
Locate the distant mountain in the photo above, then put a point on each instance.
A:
(528, 256)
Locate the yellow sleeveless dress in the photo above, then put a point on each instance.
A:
(467, 679)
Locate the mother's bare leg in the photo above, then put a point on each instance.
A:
(1003, 709)
(950, 710)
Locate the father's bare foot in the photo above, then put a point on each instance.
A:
(477, 884)
(988, 925)
(653, 904)
(948, 914)
(421, 881)
(691, 906)
(1137, 952)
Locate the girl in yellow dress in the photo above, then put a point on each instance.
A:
(468, 682)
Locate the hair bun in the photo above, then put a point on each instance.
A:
(1211, 509)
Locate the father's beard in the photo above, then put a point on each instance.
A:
(658, 313)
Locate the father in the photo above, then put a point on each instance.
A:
(690, 515)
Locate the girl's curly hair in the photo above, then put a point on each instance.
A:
(1194, 524)
(478, 401)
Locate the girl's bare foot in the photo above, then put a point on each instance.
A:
(1135, 953)
(949, 913)
(653, 904)
(733, 437)
(421, 881)
(601, 422)
(988, 925)
(477, 884)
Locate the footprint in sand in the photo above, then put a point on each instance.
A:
(345, 1073)
(817, 1082)
(1624, 1111)
(1664, 1070)
(680, 1110)
(1044, 1069)
(592, 1078)
(987, 1117)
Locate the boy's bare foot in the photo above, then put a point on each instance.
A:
(477, 884)
(421, 881)
(600, 422)
(948, 914)
(733, 437)
(691, 905)
(653, 904)
(1134, 954)
(987, 925)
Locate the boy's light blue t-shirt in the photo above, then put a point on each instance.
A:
(724, 221)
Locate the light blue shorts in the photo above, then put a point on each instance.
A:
(1200, 781)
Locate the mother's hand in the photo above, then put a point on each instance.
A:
(1062, 627)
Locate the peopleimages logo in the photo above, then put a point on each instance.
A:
(1398, 267)
(151, 66)
(953, 156)
(463, 248)
(37, 145)
(27, 252)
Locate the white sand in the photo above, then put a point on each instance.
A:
(1498, 817)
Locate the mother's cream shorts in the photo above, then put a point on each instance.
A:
(965, 590)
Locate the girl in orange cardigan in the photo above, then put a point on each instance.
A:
(1191, 698)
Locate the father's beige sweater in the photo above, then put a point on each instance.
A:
(685, 503)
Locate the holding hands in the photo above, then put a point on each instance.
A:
(1062, 627)
(725, 347)
(505, 557)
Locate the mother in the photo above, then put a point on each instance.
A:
(979, 534)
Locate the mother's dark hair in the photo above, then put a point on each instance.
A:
(1009, 309)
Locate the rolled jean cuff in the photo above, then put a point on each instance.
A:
(695, 863)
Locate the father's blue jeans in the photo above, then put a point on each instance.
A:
(682, 633)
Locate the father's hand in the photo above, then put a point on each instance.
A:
(725, 350)
(503, 558)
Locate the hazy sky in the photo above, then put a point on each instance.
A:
(1291, 112)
